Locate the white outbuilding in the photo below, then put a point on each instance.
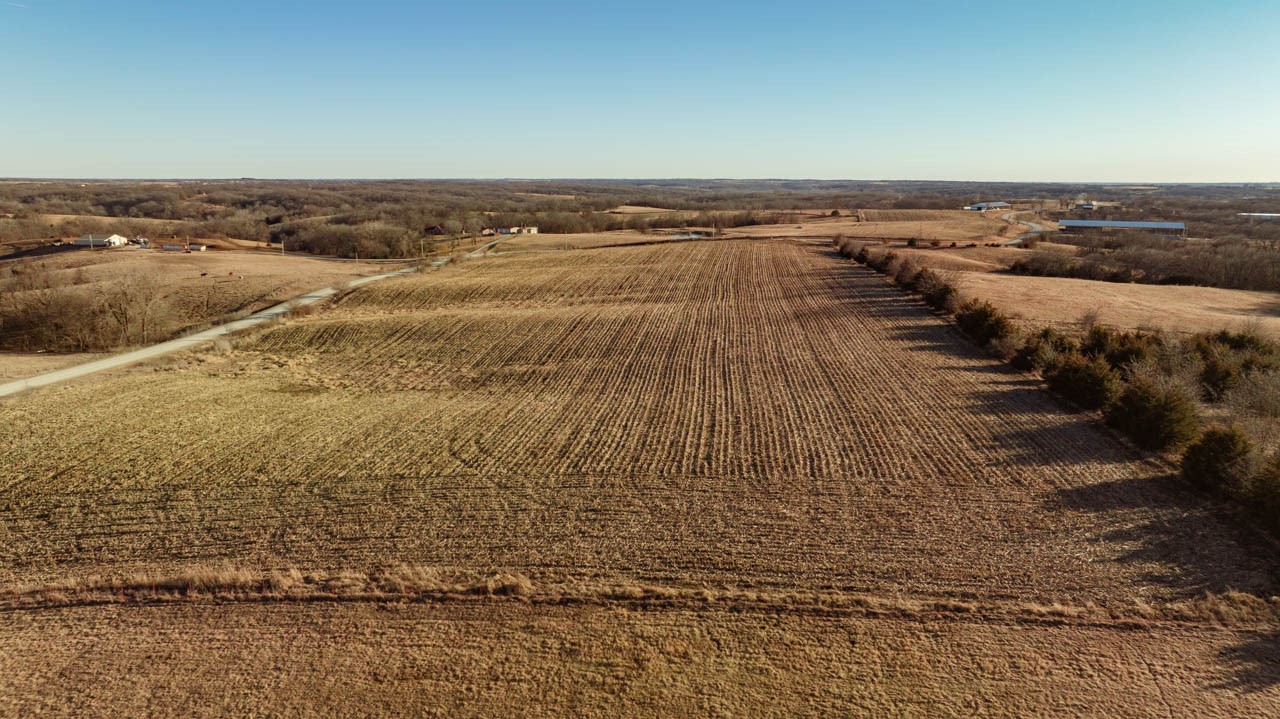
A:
(100, 240)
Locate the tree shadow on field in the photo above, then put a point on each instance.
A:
(1269, 309)
(1188, 544)
(1059, 441)
(1253, 665)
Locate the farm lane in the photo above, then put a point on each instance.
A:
(186, 342)
(1033, 228)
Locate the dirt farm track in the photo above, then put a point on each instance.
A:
(707, 478)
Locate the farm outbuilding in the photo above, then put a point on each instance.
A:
(100, 240)
(984, 206)
(1164, 229)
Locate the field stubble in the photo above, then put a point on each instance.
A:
(734, 417)
(727, 413)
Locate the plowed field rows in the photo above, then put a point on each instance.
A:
(751, 413)
(732, 414)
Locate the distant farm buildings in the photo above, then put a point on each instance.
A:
(510, 231)
(984, 206)
(100, 240)
(1164, 229)
(1259, 215)
(437, 230)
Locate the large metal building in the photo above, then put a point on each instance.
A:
(1164, 229)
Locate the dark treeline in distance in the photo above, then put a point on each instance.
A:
(389, 218)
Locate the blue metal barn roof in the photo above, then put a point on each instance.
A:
(1120, 224)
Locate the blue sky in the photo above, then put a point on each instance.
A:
(1125, 90)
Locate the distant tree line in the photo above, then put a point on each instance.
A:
(389, 218)
(1233, 263)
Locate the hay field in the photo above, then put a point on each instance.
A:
(1062, 301)
(729, 476)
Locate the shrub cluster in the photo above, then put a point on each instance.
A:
(1218, 461)
(1042, 351)
(1118, 349)
(1087, 381)
(1226, 462)
(983, 323)
(1155, 415)
(1230, 357)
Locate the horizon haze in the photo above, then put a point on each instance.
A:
(1141, 93)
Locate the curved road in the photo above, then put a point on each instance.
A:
(1036, 228)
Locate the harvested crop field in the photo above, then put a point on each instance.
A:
(640, 430)
(450, 660)
(941, 225)
(585, 240)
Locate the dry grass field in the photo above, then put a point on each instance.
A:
(1062, 302)
(925, 225)
(16, 365)
(196, 287)
(708, 478)
(639, 210)
(156, 225)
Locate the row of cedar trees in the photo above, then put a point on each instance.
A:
(1151, 387)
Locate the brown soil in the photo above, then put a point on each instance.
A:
(731, 477)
